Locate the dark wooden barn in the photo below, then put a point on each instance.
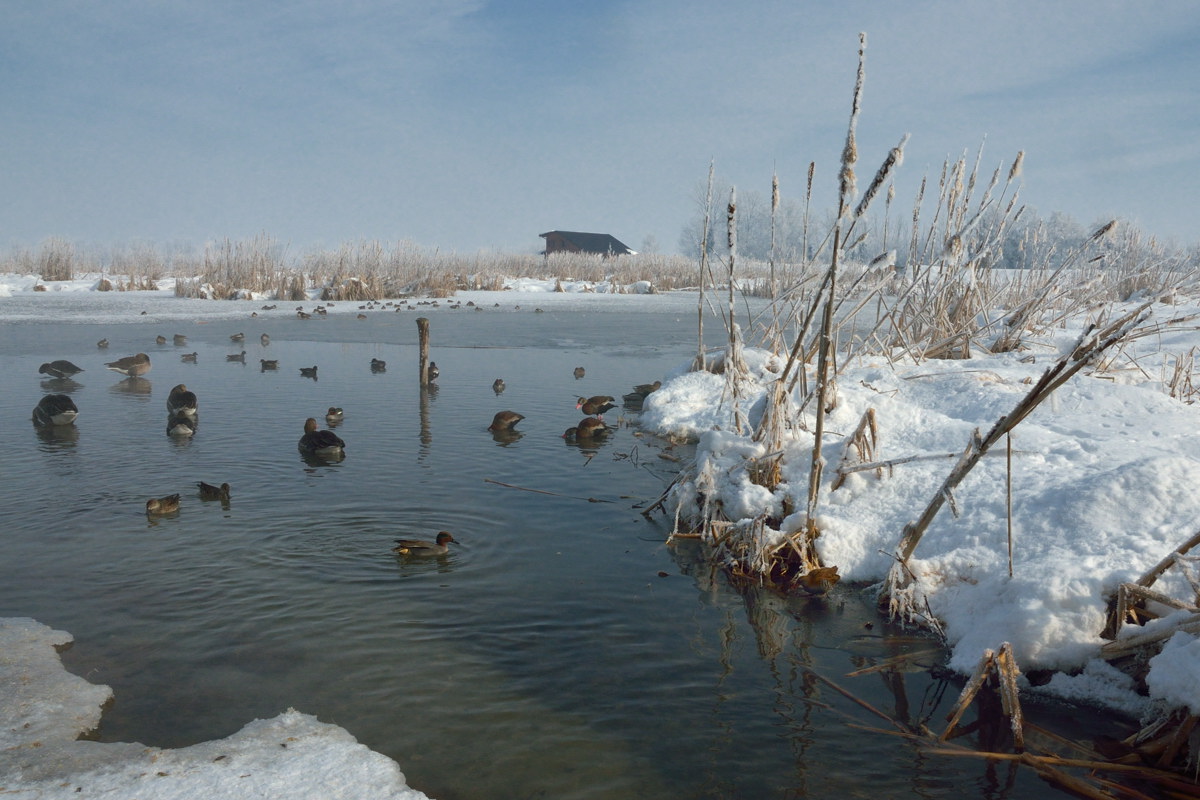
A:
(575, 242)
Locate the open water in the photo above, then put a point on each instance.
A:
(562, 650)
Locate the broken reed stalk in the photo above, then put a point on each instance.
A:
(846, 191)
(704, 268)
(1008, 497)
(1087, 348)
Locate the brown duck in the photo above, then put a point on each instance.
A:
(595, 406)
(158, 506)
(505, 420)
(133, 366)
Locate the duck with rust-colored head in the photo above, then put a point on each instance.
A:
(505, 420)
(318, 442)
(131, 366)
(595, 406)
(420, 547)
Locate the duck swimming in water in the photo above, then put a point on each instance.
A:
(588, 428)
(505, 420)
(181, 401)
(498, 386)
(160, 506)
(210, 492)
(55, 409)
(420, 547)
(318, 442)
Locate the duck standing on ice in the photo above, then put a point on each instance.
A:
(131, 366)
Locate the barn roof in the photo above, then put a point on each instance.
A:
(601, 243)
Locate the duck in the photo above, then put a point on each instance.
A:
(237, 337)
(420, 547)
(159, 506)
(595, 406)
(181, 426)
(160, 339)
(579, 373)
(266, 340)
(189, 358)
(505, 420)
(181, 401)
(59, 369)
(267, 364)
(640, 392)
(318, 442)
(55, 409)
(103, 343)
(303, 315)
(378, 365)
(210, 492)
(131, 366)
(498, 385)
(308, 372)
(434, 371)
(239, 357)
(334, 414)
(817, 581)
(588, 428)
(179, 340)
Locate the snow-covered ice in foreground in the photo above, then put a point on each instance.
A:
(45, 708)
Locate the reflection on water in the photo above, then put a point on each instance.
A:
(134, 386)
(562, 650)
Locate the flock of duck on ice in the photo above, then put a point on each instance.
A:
(182, 408)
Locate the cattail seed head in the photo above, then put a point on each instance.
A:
(1104, 229)
(1016, 165)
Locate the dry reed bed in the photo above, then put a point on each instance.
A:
(947, 304)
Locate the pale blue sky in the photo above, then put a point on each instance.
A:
(472, 125)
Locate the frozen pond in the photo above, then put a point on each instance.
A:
(561, 651)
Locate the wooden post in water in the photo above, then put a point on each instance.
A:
(423, 341)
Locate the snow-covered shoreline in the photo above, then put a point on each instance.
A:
(46, 708)
(1103, 489)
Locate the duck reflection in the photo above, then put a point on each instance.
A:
(61, 385)
(134, 386)
(58, 437)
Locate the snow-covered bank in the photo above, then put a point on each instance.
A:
(45, 708)
(1103, 488)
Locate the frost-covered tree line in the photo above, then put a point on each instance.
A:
(1030, 241)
